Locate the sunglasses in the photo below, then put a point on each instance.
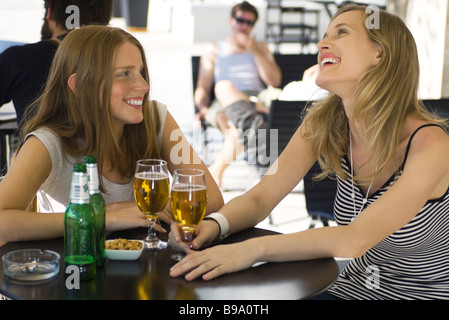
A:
(250, 23)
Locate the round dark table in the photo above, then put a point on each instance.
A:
(148, 277)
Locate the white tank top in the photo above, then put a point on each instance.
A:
(54, 193)
(239, 68)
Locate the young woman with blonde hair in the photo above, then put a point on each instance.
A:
(96, 101)
(389, 155)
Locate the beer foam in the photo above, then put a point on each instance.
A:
(151, 175)
(184, 187)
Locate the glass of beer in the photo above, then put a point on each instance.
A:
(151, 193)
(188, 203)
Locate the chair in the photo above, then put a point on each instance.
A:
(291, 23)
(195, 70)
(285, 117)
(8, 126)
(293, 66)
(195, 60)
(439, 106)
(320, 197)
(7, 131)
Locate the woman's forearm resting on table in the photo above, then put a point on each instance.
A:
(18, 225)
(306, 245)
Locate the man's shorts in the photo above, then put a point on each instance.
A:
(265, 96)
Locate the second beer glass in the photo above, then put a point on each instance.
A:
(188, 202)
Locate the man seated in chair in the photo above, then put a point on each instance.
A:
(238, 68)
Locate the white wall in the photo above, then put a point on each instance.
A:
(427, 20)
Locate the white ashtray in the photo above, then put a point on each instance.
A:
(123, 252)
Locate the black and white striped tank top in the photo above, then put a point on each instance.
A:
(411, 263)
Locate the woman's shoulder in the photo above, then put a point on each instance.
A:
(422, 135)
(45, 135)
(160, 107)
(50, 140)
(157, 104)
(413, 127)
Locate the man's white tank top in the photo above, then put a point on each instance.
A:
(239, 68)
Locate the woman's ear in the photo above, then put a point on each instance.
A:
(377, 56)
(72, 83)
(379, 51)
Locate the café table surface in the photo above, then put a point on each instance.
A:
(148, 277)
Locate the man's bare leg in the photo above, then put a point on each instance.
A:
(230, 149)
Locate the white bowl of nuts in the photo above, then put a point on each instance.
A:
(123, 249)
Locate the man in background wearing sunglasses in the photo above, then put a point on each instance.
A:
(238, 69)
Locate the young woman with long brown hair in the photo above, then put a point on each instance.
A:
(389, 155)
(96, 101)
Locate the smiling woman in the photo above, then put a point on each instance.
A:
(328, 59)
(389, 157)
(93, 80)
(128, 86)
(96, 101)
(346, 43)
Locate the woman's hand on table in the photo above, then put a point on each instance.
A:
(215, 261)
(126, 215)
(204, 235)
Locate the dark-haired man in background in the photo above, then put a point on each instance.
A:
(24, 69)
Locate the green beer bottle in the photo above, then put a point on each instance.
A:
(79, 226)
(97, 202)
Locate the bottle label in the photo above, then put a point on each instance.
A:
(79, 191)
(94, 183)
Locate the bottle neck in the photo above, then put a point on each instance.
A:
(93, 180)
(79, 191)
